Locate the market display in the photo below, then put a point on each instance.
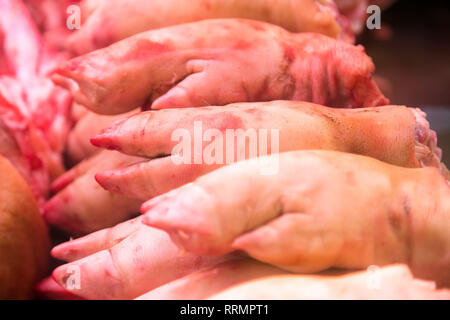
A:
(211, 150)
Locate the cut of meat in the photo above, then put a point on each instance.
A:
(393, 134)
(301, 218)
(212, 62)
(34, 113)
(126, 261)
(388, 133)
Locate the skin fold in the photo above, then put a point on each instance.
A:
(390, 134)
(301, 219)
(126, 261)
(396, 283)
(105, 22)
(80, 205)
(213, 62)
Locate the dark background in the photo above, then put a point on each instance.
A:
(412, 56)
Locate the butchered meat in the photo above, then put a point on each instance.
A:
(33, 112)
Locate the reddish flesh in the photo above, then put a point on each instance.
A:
(33, 112)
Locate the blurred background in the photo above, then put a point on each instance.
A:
(412, 56)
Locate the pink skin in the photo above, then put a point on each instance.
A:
(126, 261)
(212, 63)
(88, 125)
(77, 112)
(396, 283)
(104, 239)
(393, 134)
(204, 283)
(301, 218)
(119, 19)
(81, 206)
